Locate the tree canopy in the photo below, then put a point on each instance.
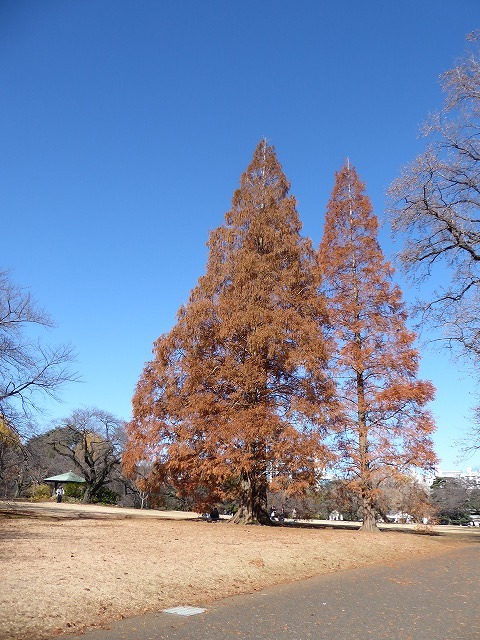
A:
(385, 426)
(237, 392)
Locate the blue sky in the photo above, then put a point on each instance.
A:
(125, 126)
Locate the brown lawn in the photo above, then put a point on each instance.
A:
(68, 567)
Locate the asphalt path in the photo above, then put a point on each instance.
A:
(436, 598)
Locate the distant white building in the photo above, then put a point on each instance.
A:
(425, 478)
(472, 476)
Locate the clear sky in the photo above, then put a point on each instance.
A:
(125, 126)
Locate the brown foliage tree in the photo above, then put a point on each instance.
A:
(384, 426)
(405, 495)
(236, 393)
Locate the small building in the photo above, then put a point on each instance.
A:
(63, 479)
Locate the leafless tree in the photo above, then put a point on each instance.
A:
(436, 207)
(93, 440)
(29, 369)
(469, 444)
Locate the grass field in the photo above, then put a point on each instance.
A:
(68, 567)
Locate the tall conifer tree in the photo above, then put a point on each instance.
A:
(385, 426)
(231, 398)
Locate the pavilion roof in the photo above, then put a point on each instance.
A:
(65, 477)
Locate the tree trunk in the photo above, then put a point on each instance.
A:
(91, 492)
(253, 500)
(369, 520)
(87, 496)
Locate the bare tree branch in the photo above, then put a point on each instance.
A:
(435, 206)
(29, 369)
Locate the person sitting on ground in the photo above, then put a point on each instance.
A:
(214, 515)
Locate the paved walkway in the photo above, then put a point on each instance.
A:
(437, 598)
